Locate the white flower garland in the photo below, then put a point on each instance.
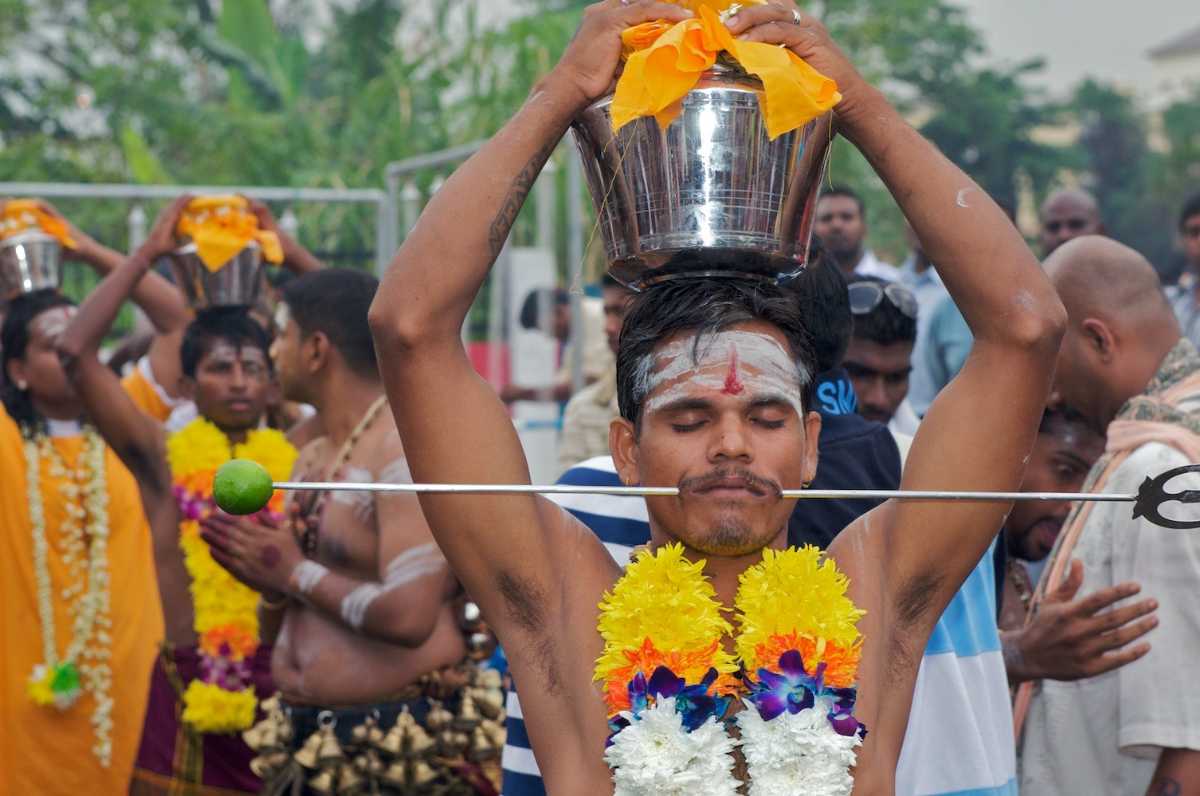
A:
(791, 754)
(90, 646)
(797, 753)
(655, 755)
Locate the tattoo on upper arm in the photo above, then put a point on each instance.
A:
(502, 223)
(1166, 786)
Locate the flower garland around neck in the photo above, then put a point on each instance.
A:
(668, 681)
(222, 699)
(83, 543)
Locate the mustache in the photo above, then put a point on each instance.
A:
(753, 482)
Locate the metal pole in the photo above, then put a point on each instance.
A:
(137, 226)
(671, 491)
(410, 206)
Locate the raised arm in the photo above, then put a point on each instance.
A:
(162, 302)
(980, 430)
(454, 427)
(296, 258)
(136, 438)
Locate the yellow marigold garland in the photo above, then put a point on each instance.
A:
(226, 616)
(664, 612)
(794, 594)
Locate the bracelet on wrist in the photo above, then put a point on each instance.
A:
(273, 605)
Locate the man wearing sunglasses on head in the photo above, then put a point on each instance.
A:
(879, 359)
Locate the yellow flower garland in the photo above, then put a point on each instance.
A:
(226, 610)
(664, 612)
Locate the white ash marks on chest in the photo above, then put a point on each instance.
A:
(361, 504)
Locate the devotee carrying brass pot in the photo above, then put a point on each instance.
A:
(703, 186)
(220, 261)
(31, 242)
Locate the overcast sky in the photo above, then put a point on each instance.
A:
(1104, 38)
(1108, 39)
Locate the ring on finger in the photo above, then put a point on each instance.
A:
(797, 17)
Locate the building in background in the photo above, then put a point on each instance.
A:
(1176, 67)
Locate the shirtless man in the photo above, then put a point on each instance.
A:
(539, 575)
(362, 599)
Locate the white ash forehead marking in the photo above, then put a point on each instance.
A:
(763, 364)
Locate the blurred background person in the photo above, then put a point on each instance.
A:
(589, 412)
(841, 227)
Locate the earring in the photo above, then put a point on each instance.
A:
(22, 386)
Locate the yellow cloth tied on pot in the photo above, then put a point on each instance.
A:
(664, 62)
(221, 226)
(19, 215)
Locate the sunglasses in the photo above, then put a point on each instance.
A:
(865, 297)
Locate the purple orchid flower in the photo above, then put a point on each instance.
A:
(692, 702)
(792, 689)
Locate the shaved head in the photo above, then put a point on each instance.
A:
(1120, 325)
(1099, 277)
(1068, 214)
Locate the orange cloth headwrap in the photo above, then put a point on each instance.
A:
(664, 62)
(221, 226)
(18, 215)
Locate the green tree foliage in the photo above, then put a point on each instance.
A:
(322, 94)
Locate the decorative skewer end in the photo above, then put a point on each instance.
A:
(242, 487)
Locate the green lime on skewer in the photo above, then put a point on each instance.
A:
(242, 487)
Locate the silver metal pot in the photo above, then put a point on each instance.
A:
(29, 260)
(711, 193)
(241, 281)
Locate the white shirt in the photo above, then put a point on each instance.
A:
(870, 265)
(1104, 735)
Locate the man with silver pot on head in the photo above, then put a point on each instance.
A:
(210, 670)
(716, 628)
(81, 616)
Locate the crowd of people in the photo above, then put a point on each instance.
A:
(376, 642)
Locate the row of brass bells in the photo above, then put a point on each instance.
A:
(487, 741)
(409, 774)
(320, 750)
(367, 733)
(453, 744)
(490, 702)
(343, 781)
(468, 714)
(407, 738)
(438, 717)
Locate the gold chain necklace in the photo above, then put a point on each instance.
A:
(315, 507)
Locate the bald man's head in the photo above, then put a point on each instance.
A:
(1119, 328)
(1068, 214)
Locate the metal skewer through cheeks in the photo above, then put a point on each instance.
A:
(243, 487)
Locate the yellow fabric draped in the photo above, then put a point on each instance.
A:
(45, 751)
(664, 62)
(18, 215)
(221, 226)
